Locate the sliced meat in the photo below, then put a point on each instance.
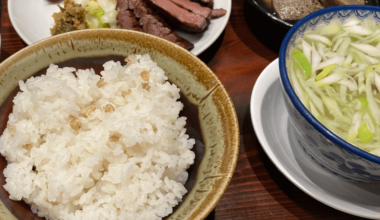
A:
(140, 8)
(152, 23)
(209, 3)
(122, 5)
(155, 25)
(179, 17)
(205, 3)
(127, 20)
(194, 7)
(295, 9)
(217, 13)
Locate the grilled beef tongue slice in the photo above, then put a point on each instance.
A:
(122, 5)
(194, 7)
(125, 18)
(205, 3)
(178, 16)
(152, 23)
(155, 26)
(295, 9)
(217, 13)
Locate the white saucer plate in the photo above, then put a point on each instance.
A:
(275, 132)
(32, 20)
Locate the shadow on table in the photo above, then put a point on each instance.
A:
(278, 186)
(269, 33)
(210, 52)
(211, 216)
(3, 55)
(362, 195)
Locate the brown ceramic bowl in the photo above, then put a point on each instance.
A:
(211, 115)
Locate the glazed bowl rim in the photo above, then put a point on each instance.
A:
(200, 212)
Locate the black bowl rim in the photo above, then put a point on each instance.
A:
(296, 101)
(270, 15)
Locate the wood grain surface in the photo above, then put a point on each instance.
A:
(258, 190)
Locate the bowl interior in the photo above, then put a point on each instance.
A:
(211, 117)
(338, 14)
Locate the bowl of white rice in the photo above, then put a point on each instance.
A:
(113, 124)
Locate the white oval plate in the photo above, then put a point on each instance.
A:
(32, 20)
(275, 132)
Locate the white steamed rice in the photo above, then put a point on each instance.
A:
(129, 163)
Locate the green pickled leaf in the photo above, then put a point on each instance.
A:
(97, 12)
(354, 39)
(303, 62)
(365, 134)
(325, 71)
(364, 102)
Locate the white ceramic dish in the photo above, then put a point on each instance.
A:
(32, 20)
(276, 135)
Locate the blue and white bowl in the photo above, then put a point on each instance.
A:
(324, 147)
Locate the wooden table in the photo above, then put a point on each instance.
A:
(258, 190)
